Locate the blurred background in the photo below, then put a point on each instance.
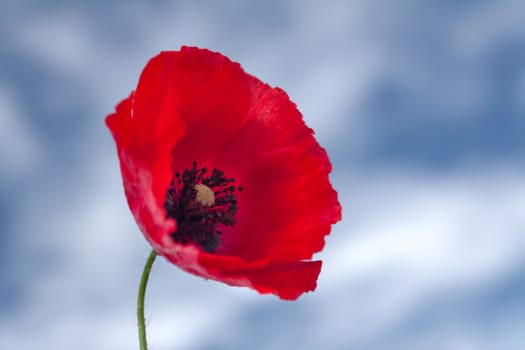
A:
(421, 106)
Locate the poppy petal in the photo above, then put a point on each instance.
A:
(287, 205)
(287, 280)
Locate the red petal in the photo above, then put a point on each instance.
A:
(188, 103)
(288, 280)
(287, 205)
(186, 106)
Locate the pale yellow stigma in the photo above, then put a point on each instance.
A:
(205, 195)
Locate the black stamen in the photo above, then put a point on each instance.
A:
(198, 223)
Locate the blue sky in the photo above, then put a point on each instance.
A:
(421, 106)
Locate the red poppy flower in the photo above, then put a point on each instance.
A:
(222, 175)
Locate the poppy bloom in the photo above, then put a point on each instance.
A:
(222, 175)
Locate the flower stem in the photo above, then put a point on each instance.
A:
(140, 301)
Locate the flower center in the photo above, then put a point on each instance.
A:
(201, 203)
(205, 195)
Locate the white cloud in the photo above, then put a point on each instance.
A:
(411, 239)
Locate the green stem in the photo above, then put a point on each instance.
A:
(140, 301)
